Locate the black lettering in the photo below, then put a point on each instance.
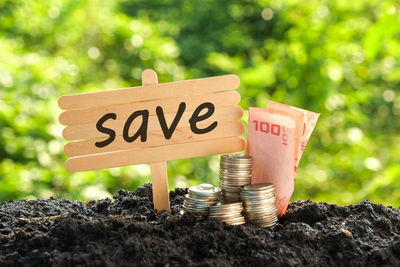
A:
(142, 131)
(102, 129)
(161, 118)
(196, 118)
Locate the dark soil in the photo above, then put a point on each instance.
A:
(126, 232)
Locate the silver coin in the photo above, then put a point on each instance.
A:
(272, 211)
(236, 172)
(236, 183)
(268, 225)
(260, 210)
(234, 221)
(260, 205)
(260, 202)
(230, 200)
(256, 192)
(201, 198)
(258, 187)
(229, 181)
(231, 197)
(200, 203)
(260, 217)
(239, 223)
(224, 216)
(234, 206)
(204, 189)
(230, 190)
(257, 197)
(251, 216)
(235, 218)
(236, 167)
(238, 156)
(231, 184)
(226, 211)
(195, 205)
(234, 179)
(205, 213)
(236, 162)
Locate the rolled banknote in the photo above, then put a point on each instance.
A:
(271, 145)
(298, 118)
(310, 120)
(277, 136)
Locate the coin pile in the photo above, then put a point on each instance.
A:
(235, 171)
(200, 198)
(228, 213)
(259, 204)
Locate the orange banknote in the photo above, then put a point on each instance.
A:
(310, 120)
(277, 136)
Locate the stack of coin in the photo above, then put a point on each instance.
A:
(200, 198)
(235, 172)
(228, 213)
(259, 204)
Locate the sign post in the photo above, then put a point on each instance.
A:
(159, 176)
(152, 123)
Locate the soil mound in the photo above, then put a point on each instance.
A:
(126, 231)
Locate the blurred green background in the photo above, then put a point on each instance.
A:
(337, 57)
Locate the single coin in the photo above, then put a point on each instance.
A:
(258, 187)
(238, 156)
(204, 189)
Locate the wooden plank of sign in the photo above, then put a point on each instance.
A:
(83, 116)
(155, 154)
(149, 92)
(181, 135)
(88, 131)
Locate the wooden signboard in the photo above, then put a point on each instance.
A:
(152, 123)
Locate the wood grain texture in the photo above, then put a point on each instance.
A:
(181, 135)
(92, 115)
(159, 183)
(149, 92)
(155, 154)
(88, 131)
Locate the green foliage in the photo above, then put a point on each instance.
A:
(340, 58)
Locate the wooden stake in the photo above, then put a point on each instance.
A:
(159, 176)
